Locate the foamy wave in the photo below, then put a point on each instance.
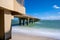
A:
(38, 32)
(38, 22)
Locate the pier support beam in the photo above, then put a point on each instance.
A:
(30, 20)
(33, 21)
(2, 25)
(20, 22)
(5, 24)
(27, 21)
(23, 21)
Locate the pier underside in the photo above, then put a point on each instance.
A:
(5, 21)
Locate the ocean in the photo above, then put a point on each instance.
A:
(53, 24)
(46, 28)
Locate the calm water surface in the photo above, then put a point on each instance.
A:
(54, 24)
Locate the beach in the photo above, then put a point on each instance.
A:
(25, 33)
(20, 36)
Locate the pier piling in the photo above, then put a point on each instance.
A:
(5, 24)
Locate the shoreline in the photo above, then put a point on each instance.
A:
(22, 36)
(36, 27)
(37, 32)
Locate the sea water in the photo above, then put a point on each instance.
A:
(53, 24)
(47, 28)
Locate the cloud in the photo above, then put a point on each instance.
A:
(56, 7)
(51, 18)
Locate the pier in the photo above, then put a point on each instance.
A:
(27, 19)
(8, 10)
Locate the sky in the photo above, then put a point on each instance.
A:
(43, 9)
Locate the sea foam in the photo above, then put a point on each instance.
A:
(38, 32)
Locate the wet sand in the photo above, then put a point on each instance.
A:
(21, 36)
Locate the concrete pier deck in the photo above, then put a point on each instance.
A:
(8, 10)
